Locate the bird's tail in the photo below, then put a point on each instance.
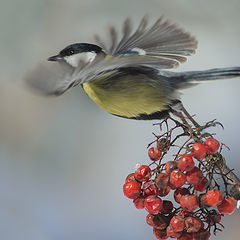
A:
(191, 77)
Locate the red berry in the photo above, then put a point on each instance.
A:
(194, 176)
(164, 192)
(160, 234)
(213, 197)
(227, 206)
(212, 145)
(192, 224)
(132, 189)
(177, 223)
(170, 165)
(202, 185)
(173, 187)
(149, 219)
(184, 213)
(179, 192)
(153, 204)
(154, 153)
(160, 222)
(186, 236)
(143, 173)
(130, 177)
(198, 150)
(177, 178)
(149, 188)
(139, 202)
(201, 235)
(186, 163)
(167, 207)
(189, 202)
(162, 180)
(171, 233)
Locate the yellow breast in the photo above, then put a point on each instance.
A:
(127, 98)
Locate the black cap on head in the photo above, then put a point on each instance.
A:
(78, 48)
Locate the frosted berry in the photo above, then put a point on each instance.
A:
(179, 192)
(154, 153)
(130, 177)
(143, 173)
(194, 176)
(153, 204)
(189, 202)
(149, 219)
(202, 185)
(132, 189)
(177, 178)
(149, 188)
(177, 223)
(212, 145)
(171, 233)
(139, 202)
(192, 224)
(199, 150)
(186, 163)
(227, 206)
(213, 197)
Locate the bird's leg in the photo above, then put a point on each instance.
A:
(189, 116)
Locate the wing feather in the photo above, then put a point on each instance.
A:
(50, 78)
(126, 31)
(161, 39)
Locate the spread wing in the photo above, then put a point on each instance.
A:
(162, 40)
(56, 78)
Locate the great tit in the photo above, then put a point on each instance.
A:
(128, 77)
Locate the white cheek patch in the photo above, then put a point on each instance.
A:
(85, 57)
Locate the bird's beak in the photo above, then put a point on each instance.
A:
(54, 58)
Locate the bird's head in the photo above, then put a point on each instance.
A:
(78, 52)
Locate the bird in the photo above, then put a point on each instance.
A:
(129, 76)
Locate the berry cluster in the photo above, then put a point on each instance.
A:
(191, 177)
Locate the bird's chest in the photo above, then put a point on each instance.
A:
(128, 98)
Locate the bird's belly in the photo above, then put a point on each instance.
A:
(129, 102)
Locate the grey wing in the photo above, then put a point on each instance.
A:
(50, 78)
(162, 40)
(109, 66)
(56, 78)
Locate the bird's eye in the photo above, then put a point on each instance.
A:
(70, 52)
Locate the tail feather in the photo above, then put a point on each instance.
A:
(184, 79)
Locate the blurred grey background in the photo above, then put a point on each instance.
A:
(63, 160)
